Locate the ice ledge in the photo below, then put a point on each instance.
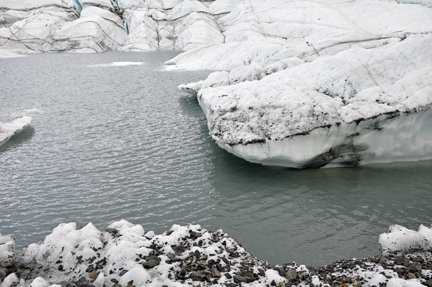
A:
(394, 137)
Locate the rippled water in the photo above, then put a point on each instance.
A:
(111, 141)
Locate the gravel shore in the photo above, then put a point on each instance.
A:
(124, 256)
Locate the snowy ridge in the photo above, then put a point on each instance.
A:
(7, 130)
(125, 255)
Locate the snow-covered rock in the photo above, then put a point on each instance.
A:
(7, 250)
(189, 255)
(124, 252)
(7, 130)
(399, 238)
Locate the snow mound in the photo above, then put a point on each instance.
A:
(7, 250)
(7, 130)
(399, 238)
(124, 254)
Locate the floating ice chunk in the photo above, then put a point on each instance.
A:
(7, 130)
(33, 111)
(359, 106)
(128, 63)
(117, 64)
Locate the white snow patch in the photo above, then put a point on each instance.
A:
(399, 238)
(7, 54)
(117, 64)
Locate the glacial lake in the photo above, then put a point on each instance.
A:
(115, 141)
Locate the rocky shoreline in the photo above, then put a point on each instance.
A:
(123, 255)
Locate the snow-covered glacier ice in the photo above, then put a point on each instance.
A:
(7, 130)
(305, 27)
(298, 83)
(322, 83)
(358, 106)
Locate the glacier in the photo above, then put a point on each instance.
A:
(356, 107)
(301, 84)
(7, 130)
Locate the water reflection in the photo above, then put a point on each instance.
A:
(313, 216)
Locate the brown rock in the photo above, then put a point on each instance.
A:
(94, 275)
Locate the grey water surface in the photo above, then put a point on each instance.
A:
(122, 142)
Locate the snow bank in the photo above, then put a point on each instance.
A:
(399, 238)
(7, 54)
(7, 130)
(124, 254)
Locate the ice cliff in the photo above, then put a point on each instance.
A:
(298, 83)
